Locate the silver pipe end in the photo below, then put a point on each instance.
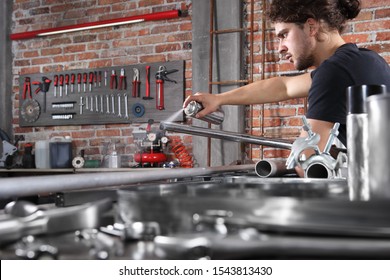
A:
(318, 170)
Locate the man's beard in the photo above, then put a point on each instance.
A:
(306, 59)
(303, 62)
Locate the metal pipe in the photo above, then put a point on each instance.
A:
(318, 170)
(272, 168)
(24, 186)
(226, 135)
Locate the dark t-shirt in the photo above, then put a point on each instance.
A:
(348, 66)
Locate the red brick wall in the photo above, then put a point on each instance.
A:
(371, 29)
(150, 42)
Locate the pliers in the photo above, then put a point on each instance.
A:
(136, 82)
(122, 80)
(27, 88)
(113, 81)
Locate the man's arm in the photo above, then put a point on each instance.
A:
(260, 92)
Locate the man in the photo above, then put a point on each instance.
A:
(309, 34)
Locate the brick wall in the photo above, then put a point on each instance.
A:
(151, 42)
(371, 29)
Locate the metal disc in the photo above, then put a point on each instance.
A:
(30, 110)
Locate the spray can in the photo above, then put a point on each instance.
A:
(357, 139)
(194, 107)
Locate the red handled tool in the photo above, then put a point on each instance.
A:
(79, 82)
(66, 83)
(72, 81)
(95, 76)
(122, 80)
(136, 82)
(147, 93)
(85, 77)
(44, 87)
(90, 80)
(113, 80)
(27, 88)
(161, 77)
(100, 78)
(55, 85)
(61, 83)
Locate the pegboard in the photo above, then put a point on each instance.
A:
(98, 97)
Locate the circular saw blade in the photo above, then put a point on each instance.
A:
(30, 110)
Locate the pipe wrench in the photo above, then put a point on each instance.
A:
(136, 82)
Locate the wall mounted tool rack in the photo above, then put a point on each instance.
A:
(120, 94)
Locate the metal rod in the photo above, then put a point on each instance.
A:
(24, 186)
(226, 135)
(272, 168)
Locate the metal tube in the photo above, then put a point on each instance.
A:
(378, 107)
(24, 186)
(272, 168)
(318, 170)
(226, 135)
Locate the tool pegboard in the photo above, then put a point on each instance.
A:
(120, 94)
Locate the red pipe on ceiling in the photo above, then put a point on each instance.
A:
(97, 24)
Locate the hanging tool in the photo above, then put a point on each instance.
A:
(136, 82)
(55, 85)
(79, 82)
(44, 87)
(85, 77)
(91, 75)
(95, 75)
(147, 93)
(61, 83)
(27, 88)
(105, 78)
(122, 80)
(30, 110)
(161, 76)
(72, 81)
(100, 78)
(66, 84)
(113, 80)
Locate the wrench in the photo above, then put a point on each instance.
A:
(96, 103)
(113, 104)
(126, 108)
(91, 108)
(108, 104)
(119, 105)
(101, 104)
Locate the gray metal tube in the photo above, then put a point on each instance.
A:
(357, 139)
(318, 170)
(379, 148)
(24, 186)
(272, 168)
(226, 135)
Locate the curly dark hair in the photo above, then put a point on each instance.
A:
(334, 12)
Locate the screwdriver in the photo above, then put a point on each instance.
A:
(90, 80)
(79, 82)
(85, 76)
(72, 81)
(55, 85)
(61, 84)
(66, 83)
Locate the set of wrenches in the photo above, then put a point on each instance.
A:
(112, 104)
